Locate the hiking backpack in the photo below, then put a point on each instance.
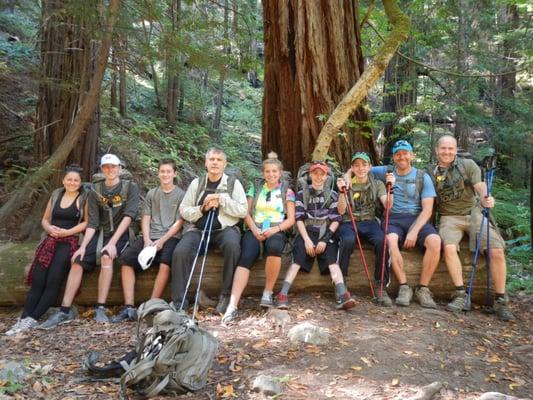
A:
(303, 183)
(174, 355)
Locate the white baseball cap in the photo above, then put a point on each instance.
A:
(109, 159)
(146, 256)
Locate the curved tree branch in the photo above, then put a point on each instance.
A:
(401, 25)
(24, 194)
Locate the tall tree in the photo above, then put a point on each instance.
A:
(312, 58)
(67, 66)
(81, 120)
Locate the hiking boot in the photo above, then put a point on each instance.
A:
(458, 302)
(266, 301)
(222, 304)
(385, 300)
(282, 301)
(230, 315)
(100, 315)
(126, 314)
(22, 325)
(405, 295)
(345, 302)
(502, 311)
(59, 318)
(424, 297)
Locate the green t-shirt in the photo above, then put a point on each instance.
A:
(163, 208)
(455, 195)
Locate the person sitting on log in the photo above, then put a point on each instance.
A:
(458, 183)
(409, 223)
(270, 214)
(364, 193)
(160, 225)
(225, 196)
(112, 206)
(64, 219)
(317, 220)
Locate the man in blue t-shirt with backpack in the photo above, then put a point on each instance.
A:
(409, 225)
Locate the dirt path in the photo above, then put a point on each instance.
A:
(373, 353)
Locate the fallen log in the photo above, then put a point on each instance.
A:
(15, 257)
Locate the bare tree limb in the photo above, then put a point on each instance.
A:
(83, 117)
(401, 25)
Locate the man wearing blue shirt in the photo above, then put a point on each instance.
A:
(414, 196)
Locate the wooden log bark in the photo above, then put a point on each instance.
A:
(15, 257)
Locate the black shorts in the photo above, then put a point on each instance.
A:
(251, 248)
(163, 256)
(305, 261)
(89, 259)
(400, 224)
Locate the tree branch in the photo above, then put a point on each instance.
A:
(83, 117)
(401, 25)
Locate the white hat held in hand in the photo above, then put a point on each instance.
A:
(146, 256)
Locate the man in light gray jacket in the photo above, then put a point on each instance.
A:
(226, 196)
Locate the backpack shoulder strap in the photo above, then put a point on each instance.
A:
(461, 168)
(258, 184)
(419, 181)
(56, 193)
(202, 180)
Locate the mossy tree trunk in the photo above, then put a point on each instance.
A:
(67, 66)
(80, 121)
(312, 58)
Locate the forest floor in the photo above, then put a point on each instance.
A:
(373, 353)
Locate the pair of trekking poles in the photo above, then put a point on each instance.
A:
(489, 164)
(204, 244)
(386, 227)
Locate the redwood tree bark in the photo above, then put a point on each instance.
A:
(312, 58)
(67, 66)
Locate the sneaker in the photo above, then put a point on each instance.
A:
(501, 308)
(425, 298)
(458, 302)
(126, 314)
(100, 315)
(230, 315)
(266, 301)
(22, 325)
(222, 304)
(404, 296)
(59, 318)
(282, 301)
(385, 300)
(345, 302)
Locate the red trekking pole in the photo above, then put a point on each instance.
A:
(345, 191)
(387, 209)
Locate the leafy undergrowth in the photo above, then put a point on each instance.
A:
(372, 353)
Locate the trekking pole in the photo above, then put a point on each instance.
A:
(488, 180)
(386, 227)
(203, 265)
(345, 191)
(485, 214)
(207, 222)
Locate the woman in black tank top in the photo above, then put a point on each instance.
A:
(65, 217)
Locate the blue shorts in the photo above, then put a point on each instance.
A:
(400, 224)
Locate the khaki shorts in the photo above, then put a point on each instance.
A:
(452, 228)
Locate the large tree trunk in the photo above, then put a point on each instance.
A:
(312, 58)
(81, 120)
(461, 125)
(173, 68)
(219, 99)
(349, 103)
(67, 66)
(123, 85)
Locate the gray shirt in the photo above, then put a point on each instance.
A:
(163, 208)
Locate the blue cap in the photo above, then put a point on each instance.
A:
(401, 145)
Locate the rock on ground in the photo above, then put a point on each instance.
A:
(267, 385)
(309, 333)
